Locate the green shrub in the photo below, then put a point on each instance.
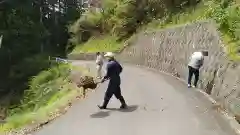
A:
(42, 88)
(234, 21)
(228, 19)
(20, 73)
(49, 91)
(125, 21)
(85, 27)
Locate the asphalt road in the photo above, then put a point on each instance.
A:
(158, 105)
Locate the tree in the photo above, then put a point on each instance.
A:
(31, 29)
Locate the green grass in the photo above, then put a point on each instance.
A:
(232, 47)
(101, 44)
(40, 112)
(189, 15)
(60, 99)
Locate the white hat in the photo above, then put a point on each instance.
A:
(109, 54)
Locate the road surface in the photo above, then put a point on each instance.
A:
(158, 105)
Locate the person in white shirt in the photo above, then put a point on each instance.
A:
(99, 62)
(195, 63)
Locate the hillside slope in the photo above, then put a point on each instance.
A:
(226, 14)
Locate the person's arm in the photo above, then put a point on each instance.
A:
(201, 62)
(120, 67)
(98, 60)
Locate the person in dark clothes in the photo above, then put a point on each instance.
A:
(113, 74)
(195, 63)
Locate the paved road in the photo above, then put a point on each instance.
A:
(159, 105)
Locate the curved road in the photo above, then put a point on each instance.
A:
(158, 105)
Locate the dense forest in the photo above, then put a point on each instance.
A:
(31, 30)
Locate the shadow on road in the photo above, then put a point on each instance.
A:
(129, 109)
(103, 114)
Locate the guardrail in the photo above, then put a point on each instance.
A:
(58, 59)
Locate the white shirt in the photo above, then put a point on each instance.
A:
(99, 60)
(196, 60)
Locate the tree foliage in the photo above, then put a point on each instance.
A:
(32, 30)
(123, 17)
(227, 15)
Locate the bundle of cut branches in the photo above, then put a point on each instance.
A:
(87, 82)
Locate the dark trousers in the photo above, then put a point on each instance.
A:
(113, 89)
(192, 71)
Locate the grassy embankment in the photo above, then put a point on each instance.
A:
(49, 91)
(227, 16)
(104, 44)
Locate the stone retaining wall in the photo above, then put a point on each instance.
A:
(169, 50)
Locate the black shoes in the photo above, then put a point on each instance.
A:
(102, 107)
(123, 106)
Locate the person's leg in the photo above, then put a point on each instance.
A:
(190, 74)
(107, 97)
(119, 96)
(196, 74)
(98, 71)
